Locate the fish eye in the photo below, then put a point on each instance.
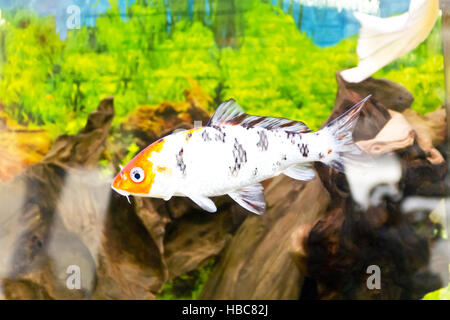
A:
(137, 174)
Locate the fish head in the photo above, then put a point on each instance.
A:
(141, 176)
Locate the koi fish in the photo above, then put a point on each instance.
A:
(233, 153)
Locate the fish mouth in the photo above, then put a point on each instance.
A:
(122, 193)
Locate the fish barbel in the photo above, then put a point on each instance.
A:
(233, 153)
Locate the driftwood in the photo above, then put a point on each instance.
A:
(257, 262)
(396, 134)
(41, 244)
(430, 131)
(387, 93)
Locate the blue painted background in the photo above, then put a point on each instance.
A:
(326, 26)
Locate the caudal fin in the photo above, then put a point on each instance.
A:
(343, 148)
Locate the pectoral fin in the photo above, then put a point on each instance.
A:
(300, 172)
(251, 198)
(203, 202)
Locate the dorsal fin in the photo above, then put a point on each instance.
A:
(229, 112)
(225, 112)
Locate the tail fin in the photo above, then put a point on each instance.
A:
(343, 146)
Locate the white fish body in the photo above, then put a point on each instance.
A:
(236, 151)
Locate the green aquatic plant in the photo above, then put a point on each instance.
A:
(190, 53)
(32, 48)
(187, 286)
(270, 68)
(132, 149)
(441, 294)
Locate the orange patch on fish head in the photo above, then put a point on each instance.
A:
(137, 176)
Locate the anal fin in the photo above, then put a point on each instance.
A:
(251, 198)
(300, 172)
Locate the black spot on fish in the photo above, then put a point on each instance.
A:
(263, 143)
(255, 172)
(290, 135)
(303, 149)
(205, 136)
(180, 162)
(240, 157)
(284, 157)
(220, 135)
